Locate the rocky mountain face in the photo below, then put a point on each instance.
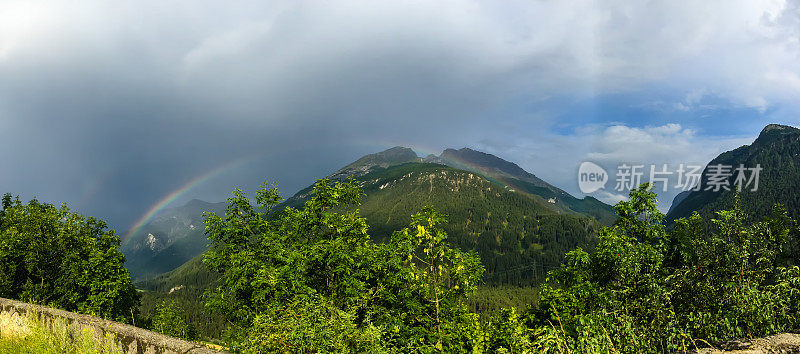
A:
(777, 152)
(173, 237)
(391, 157)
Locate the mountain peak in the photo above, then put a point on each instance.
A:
(777, 127)
(196, 202)
(386, 158)
(773, 131)
(471, 159)
(391, 156)
(398, 151)
(774, 153)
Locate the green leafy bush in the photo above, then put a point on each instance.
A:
(168, 319)
(311, 279)
(56, 257)
(648, 289)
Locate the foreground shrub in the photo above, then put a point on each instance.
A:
(56, 257)
(168, 320)
(648, 289)
(312, 280)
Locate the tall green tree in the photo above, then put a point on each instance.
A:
(437, 276)
(56, 257)
(311, 278)
(168, 319)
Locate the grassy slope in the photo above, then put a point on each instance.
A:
(57, 338)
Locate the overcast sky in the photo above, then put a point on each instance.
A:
(112, 105)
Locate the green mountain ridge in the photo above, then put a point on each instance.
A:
(520, 225)
(777, 152)
(510, 174)
(508, 229)
(504, 173)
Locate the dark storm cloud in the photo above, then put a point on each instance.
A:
(111, 106)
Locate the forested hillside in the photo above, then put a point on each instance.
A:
(183, 286)
(519, 236)
(644, 288)
(313, 278)
(777, 152)
(509, 174)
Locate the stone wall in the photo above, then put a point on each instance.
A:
(14, 315)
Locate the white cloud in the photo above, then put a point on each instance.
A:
(253, 75)
(610, 197)
(555, 158)
(670, 145)
(745, 51)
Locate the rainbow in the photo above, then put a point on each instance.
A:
(169, 198)
(172, 196)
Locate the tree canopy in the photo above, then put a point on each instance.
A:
(311, 278)
(59, 258)
(645, 288)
